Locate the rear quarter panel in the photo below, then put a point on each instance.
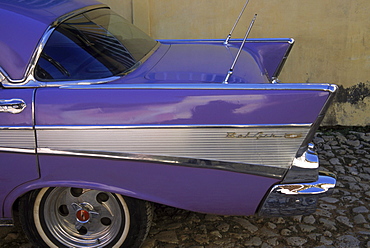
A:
(84, 159)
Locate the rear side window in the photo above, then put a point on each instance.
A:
(96, 44)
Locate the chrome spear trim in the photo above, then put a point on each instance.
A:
(236, 23)
(226, 81)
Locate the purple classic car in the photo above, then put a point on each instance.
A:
(98, 121)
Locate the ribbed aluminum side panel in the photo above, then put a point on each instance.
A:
(271, 146)
(15, 138)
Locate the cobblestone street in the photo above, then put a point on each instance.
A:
(342, 219)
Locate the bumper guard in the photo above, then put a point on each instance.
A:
(297, 198)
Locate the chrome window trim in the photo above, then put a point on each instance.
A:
(80, 82)
(213, 86)
(29, 80)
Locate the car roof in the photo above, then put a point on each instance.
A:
(23, 25)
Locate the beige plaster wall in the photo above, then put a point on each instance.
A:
(332, 39)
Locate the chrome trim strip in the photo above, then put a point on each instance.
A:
(332, 89)
(210, 86)
(270, 146)
(281, 65)
(259, 170)
(17, 150)
(80, 82)
(16, 128)
(2, 75)
(28, 79)
(45, 127)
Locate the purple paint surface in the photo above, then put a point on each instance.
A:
(268, 53)
(205, 63)
(16, 169)
(178, 107)
(196, 189)
(201, 190)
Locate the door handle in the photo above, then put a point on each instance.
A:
(14, 106)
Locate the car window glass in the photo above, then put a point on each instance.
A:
(97, 44)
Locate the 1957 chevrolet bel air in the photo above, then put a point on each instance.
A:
(98, 121)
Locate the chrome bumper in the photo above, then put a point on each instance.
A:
(297, 198)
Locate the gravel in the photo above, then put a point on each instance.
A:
(341, 220)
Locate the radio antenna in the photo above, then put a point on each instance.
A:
(226, 81)
(236, 23)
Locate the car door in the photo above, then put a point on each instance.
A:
(18, 161)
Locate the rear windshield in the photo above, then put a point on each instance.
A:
(93, 45)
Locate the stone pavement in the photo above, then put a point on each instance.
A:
(342, 219)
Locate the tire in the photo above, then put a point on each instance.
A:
(75, 217)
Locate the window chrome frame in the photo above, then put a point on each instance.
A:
(29, 80)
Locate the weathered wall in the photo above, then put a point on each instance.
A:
(332, 39)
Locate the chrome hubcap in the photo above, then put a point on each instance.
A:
(84, 217)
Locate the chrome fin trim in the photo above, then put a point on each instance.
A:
(332, 88)
(304, 168)
(266, 146)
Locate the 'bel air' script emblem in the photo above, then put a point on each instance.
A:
(261, 135)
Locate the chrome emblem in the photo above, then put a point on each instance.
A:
(261, 135)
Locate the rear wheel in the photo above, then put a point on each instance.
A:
(76, 217)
